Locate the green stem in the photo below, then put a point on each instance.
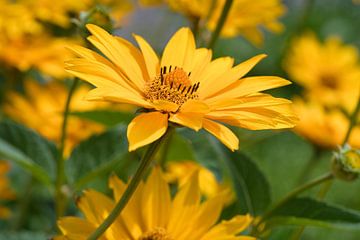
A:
(353, 121)
(60, 198)
(166, 147)
(220, 24)
(139, 174)
(293, 194)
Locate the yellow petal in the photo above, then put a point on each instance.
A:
(76, 228)
(151, 59)
(120, 54)
(233, 75)
(224, 134)
(146, 128)
(248, 86)
(185, 203)
(180, 49)
(156, 205)
(202, 58)
(167, 106)
(228, 228)
(191, 114)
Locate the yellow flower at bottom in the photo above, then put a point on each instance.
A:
(42, 109)
(326, 128)
(5, 192)
(152, 214)
(180, 172)
(185, 87)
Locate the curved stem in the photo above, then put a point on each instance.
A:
(60, 199)
(293, 194)
(163, 157)
(220, 23)
(353, 120)
(139, 174)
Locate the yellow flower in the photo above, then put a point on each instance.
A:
(326, 128)
(246, 17)
(5, 192)
(185, 87)
(42, 109)
(328, 71)
(180, 172)
(152, 214)
(16, 20)
(41, 52)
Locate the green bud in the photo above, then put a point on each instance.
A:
(346, 163)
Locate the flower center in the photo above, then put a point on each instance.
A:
(329, 81)
(156, 234)
(173, 85)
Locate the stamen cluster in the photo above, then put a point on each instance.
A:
(172, 85)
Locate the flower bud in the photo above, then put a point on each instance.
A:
(346, 163)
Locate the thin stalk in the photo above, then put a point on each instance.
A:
(195, 21)
(220, 24)
(293, 194)
(60, 198)
(139, 174)
(353, 121)
(165, 150)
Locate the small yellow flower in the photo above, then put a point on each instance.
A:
(42, 109)
(247, 17)
(326, 128)
(180, 172)
(328, 71)
(5, 192)
(185, 87)
(152, 214)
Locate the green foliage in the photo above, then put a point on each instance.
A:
(29, 150)
(106, 117)
(250, 185)
(24, 235)
(96, 156)
(307, 211)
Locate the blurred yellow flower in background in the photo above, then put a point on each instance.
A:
(325, 127)
(44, 53)
(5, 191)
(152, 214)
(42, 109)
(185, 87)
(180, 172)
(329, 71)
(247, 17)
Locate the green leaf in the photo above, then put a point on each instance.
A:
(251, 187)
(24, 235)
(307, 211)
(96, 156)
(106, 117)
(28, 149)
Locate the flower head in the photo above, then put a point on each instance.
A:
(324, 127)
(328, 71)
(152, 214)
(184, 87)
(42, 109)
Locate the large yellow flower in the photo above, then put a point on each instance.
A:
(153, 214)
(180, 172)
(329, 71)
(42, 109)
(185, 87)
(5, 191)
(324, 127)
